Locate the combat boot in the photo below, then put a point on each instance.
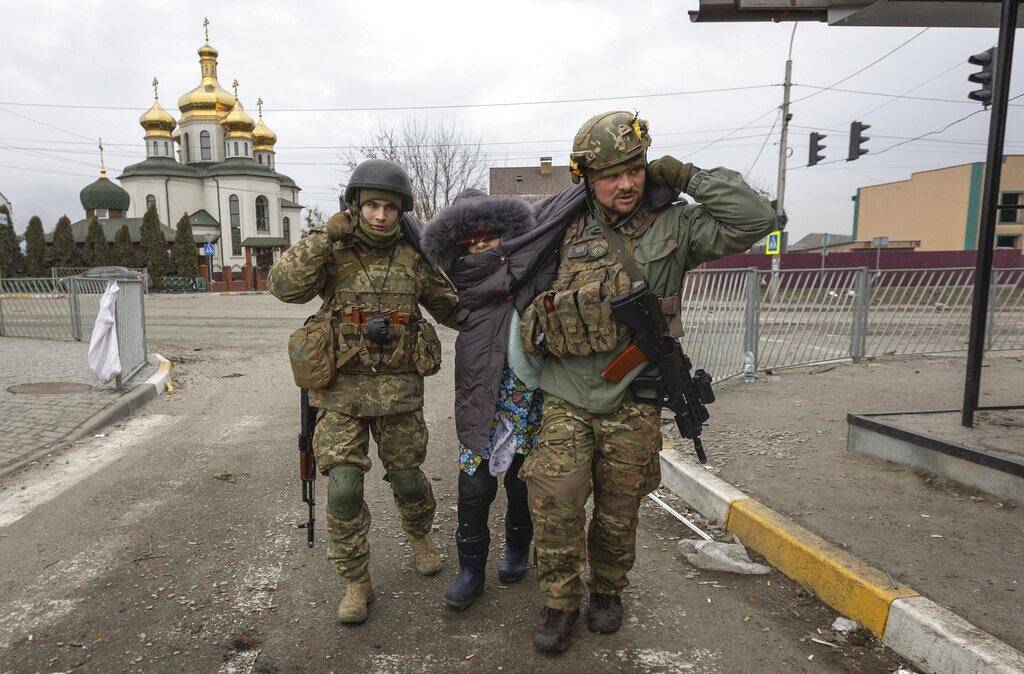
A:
(472, 564)
(428, 562)
(358, 595)
(554, 632)
(604, 613)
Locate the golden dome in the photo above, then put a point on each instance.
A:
(176, 135)
(157, 121)
(238, 123)
(262, 137)
(208, 100)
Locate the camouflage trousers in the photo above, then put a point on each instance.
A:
(615, 455)
(401, 445)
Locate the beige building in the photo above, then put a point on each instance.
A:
(941, 208)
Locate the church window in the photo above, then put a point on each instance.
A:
(246, 149)
(188, 150)
(167, 150)
(260, 158)
(286, 229)
(236, 225)
(262, 214)
(236, 148)
(150, 201)
(102, 213)
(205, 151)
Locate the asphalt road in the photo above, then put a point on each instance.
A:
(169, 545)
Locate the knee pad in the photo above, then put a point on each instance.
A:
(408, 484)
(345, 492)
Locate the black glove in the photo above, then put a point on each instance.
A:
(671, 172)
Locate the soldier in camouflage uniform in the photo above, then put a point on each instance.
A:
(595, 437)
(363, 268)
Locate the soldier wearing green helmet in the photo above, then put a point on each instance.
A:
(596, 437)
(363, 357)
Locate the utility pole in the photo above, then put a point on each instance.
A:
(780, 191)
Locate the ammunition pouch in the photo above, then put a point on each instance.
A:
(374, 342)
(575, 322)
(311, 353)
(427, 354)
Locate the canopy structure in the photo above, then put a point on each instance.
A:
(906, 13)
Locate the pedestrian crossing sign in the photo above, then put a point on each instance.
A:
(774, 244)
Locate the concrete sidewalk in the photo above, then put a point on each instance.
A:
(782, 440)
(33, 423)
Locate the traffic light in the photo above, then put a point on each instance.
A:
(987, 60)
(857, 138)
(817, 150)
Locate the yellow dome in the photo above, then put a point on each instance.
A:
(176, 135)
(238, 123)
(208, 100)
(157, 121)
(262, 137)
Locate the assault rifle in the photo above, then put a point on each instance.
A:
(307, 460)
(686, 395)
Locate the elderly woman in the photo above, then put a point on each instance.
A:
(499, 259)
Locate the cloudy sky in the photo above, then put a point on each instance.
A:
(72, 72)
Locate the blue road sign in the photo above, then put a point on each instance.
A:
(208, 250)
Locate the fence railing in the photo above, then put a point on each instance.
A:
(807, 316)
(66, 308)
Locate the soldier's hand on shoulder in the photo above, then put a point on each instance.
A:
(670, 172)
(339, 226)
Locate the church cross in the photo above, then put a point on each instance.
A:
(259, 105)
(206, 29)
(155, 83)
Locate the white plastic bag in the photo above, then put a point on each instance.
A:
(104, 361)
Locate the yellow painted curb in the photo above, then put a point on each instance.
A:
(853, 588)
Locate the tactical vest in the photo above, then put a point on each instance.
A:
(575, 315)
(371, 283)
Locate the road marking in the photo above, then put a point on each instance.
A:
(38, 485)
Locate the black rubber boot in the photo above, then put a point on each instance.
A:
(470, 581)
(517, 554)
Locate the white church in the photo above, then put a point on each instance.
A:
(216, 164)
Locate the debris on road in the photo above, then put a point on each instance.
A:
(844, 626)
(224, 476)
(719, 556)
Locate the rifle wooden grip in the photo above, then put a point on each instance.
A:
(307, 466)
(623, 364)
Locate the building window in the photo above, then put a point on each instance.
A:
(262, 214)
(205, 151)
(260, 158)
(1006, 241)
(167, 150)
(1009, 215)
(236, 225)
(246, 149)
(150, 202)
(286, 229)
(156, 148)
(102, 213)
(188, 150)
(236, 148)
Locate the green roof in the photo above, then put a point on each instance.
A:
(110, 226)
(104, 194)
(287, 203)
(160, 166)
(264, 242)
(203, 217)
(200, 239)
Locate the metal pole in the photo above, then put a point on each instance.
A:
(780, 190)
(989, 199)
(750, 315)
(859, 324)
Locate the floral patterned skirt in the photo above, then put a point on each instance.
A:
(516, 421)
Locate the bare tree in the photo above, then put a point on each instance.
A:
(314, 218)
(442, 160)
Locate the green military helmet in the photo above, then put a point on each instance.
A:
(606, 140)
(380, 174)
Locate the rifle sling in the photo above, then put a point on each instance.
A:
(618, 246)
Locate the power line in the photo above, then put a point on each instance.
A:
(444, 106)
(958, 64)
(858, 72)
(763, 144)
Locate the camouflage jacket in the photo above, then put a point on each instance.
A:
(666, 243)
(311, 268)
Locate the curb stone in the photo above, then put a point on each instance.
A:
(928, 635)
(124, 406)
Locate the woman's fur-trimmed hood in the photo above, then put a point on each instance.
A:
(474, 211)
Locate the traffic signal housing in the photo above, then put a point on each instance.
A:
(817, 150)
(987, 61)
(857, 139)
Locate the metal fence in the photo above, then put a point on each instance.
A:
(66, 308)
(806, 316)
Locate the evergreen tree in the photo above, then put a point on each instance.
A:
(12, 261)
(123, 254)
(95, 245)
(183, 257)
(35, 253)
(63, 253)
(154, 248)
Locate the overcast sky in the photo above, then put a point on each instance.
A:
(389, 54)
